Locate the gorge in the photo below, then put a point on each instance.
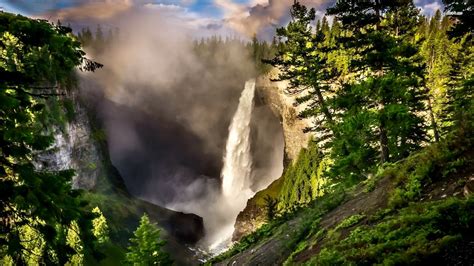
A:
(194, 133)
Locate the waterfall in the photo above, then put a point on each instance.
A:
(235, 172)
(238, 159)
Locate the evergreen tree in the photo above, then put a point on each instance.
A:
(271, 205)
(458, 111)
(438, 52)
(146, 246)
(379, 110)
(305, 67)
(36, 59)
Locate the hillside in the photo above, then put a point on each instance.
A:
(391, 218)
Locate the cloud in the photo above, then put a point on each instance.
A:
(97, 10)
(253, 18)
(430, 9)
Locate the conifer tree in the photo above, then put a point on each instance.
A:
(458, 111)
(146, 246)
(378, 111)
(302, 63)
(438, 52)
(36, 59)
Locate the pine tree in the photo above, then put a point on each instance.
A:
(458, 112)
(146, 246)
(379, 110)
(301, 62)
(438, 52)
(37, 58)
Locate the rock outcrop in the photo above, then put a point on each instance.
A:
(468, 189)
(74, 148)
(283, 106)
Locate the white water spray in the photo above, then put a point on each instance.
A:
(238, 159)
(236, 170)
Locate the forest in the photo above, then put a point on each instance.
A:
(386, 177)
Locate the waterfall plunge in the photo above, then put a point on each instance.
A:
(238, 159)
(237, 168)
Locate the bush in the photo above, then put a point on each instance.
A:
(413, 235)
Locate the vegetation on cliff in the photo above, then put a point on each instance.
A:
(390, 92)
(42, 219)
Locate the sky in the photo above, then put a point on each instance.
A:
(245, 17)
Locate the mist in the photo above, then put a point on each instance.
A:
(166, 112)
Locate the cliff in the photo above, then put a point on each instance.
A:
(273, 95)
(80, 144)
(282, 105)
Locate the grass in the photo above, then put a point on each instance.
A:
(404, 232)
(414, 234)
(300, 231)
(428, 165)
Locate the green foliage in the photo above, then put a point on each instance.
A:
(146, 246)
(73, 240)
(294, 234)
(303, 64)
(35, 59)
(378, 109)
(413, 235)
(261, 50)
(350, 221)
(428, 165)
(303, 181)
(271, 205)
(100, 227)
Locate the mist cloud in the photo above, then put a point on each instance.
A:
(166, 112)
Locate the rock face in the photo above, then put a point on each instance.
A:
(74, 148)
(468, 189)
(282, 105)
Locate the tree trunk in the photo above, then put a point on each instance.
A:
(384, 153)
(324, 108)
(434, 125)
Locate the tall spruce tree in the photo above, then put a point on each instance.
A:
(438, 52)
(301, 61)
(458, 112)
(379, 109)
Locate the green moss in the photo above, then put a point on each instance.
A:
(350, 221)
(68, 105)
(99, 135)
(414, 234)
(92, 166)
